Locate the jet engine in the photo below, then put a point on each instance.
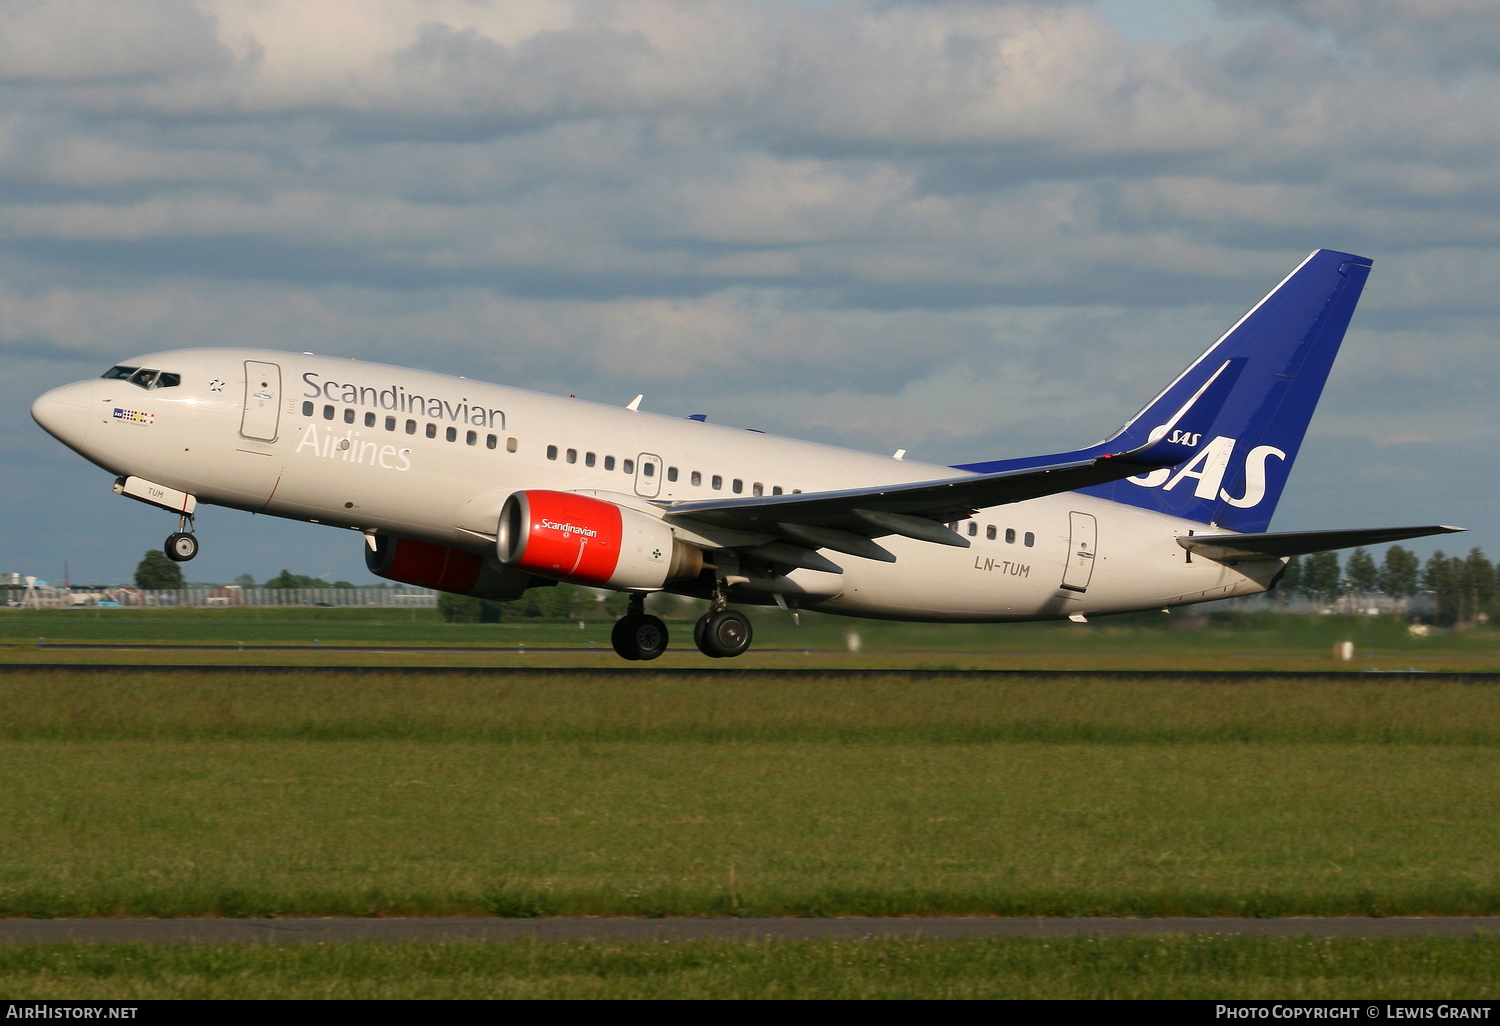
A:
(445, 569)
(576, 538)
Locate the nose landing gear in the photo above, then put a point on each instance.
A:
(182, 544)
(638, 635)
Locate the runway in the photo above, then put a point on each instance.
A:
(730, 673)
(322, 931)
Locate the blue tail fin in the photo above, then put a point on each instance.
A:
(1233, 471)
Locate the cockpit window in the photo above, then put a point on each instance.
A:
(144, 377)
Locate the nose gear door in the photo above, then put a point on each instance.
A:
(648, 475)
(262, 401)
(1082, 541)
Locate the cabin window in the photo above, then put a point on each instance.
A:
(973, 529)
(695, 479)
(471, 437)
(431, 430)
(989, 533)
(1030, 539)
(609, 463)
(390, 423)
(628, 466)
(588, 459)
(718, 482)
(671, 473)
(510, 445)
(369, 420)
(348, 416)
(411, 427)
(1010, 536)
(307, 409)
(571, 456)
(648, 469)
(552, 452)
(757, 489)
(776, 490)
(490, 441)
(738, 486)
(452, 434)
(328, 413)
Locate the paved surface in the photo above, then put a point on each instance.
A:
(284, 931)
(629, 672)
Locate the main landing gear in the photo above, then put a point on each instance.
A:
(182, 544)
(638, 634)
(720, 633)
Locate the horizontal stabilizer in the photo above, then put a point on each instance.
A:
(1249, 547)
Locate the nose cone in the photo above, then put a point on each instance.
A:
(64, 413)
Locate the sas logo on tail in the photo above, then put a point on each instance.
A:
(1208, 467)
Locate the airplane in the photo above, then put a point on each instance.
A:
(487, 490)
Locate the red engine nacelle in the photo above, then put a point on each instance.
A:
(444, 568)
(569, 537)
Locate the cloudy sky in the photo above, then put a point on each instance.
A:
(967, 229)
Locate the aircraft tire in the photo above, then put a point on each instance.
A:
(649, 635)
(622, 637)
(724, 635)
(180, 546)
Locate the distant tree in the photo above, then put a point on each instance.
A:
(1476, 582)
(1363, 574)
(342, 584)
(1290, 584)
(543, 603)
(1321, 577)
(467, 609)
(1400, 572)
(157, 573)
(244, 581)
(1440, 578)
(287, 579)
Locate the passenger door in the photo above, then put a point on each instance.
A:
(1082, 540)
(262, 401)
(648, 475)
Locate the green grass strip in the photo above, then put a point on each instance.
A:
(1166, 967)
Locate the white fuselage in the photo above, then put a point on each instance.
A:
(346, 444)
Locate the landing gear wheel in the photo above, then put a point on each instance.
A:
(181, 546)
(639, 637)
(723, 635)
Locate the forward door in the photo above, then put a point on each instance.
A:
(1082, 540)
(262, 401)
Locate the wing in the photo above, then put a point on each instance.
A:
(934, 501)
(1250, 547)
(847, 520)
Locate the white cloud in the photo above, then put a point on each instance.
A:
(962, 227)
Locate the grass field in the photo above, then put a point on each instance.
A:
(1170, 967)
(1140, 641)
(172, 794)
